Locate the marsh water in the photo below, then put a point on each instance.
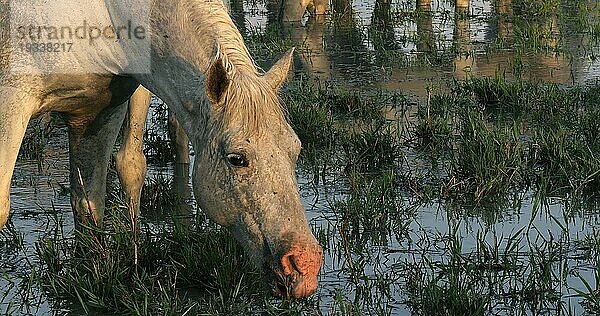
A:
(413, 49)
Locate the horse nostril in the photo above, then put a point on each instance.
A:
(289, 264)
(283, 285)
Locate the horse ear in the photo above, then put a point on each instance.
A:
(279, 72)
(217, 81)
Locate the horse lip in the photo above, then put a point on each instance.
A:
(282, 286)
(294, 286)
(276, 280)
(280, 290)
(297, 287)
(305, 286)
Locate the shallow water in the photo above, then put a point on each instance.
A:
(390, 49)
(369, 45)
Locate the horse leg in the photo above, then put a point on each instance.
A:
(317, 7)
(91, 140)
(292, 10)
(179, 140)
(462, 5)
(181, 177)
(14, 117)
(131, 162)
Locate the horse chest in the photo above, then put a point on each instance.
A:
(81, 95)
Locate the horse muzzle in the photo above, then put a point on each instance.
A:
(297, 275)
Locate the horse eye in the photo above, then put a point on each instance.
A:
(237, 160)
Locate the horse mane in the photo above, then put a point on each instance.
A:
(251, 105)
(250, 102)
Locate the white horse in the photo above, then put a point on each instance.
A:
(192, 56)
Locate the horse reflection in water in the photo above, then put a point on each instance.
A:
(340, 51)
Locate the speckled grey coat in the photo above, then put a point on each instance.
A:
(243, 174)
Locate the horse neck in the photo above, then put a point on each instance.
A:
(196, 30)
(187, 36)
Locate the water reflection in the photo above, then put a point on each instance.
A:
(409, 46)
(396, 45)
(425, 34)
(382, 27)
(464, 63)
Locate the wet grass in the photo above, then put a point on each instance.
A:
(373, 212)
(503, 275)
(329, 120)
(38, 134)
(473, 148)
(158, 148)
(489, 137)
(182, 270)
(485, 151)
(589, 248)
